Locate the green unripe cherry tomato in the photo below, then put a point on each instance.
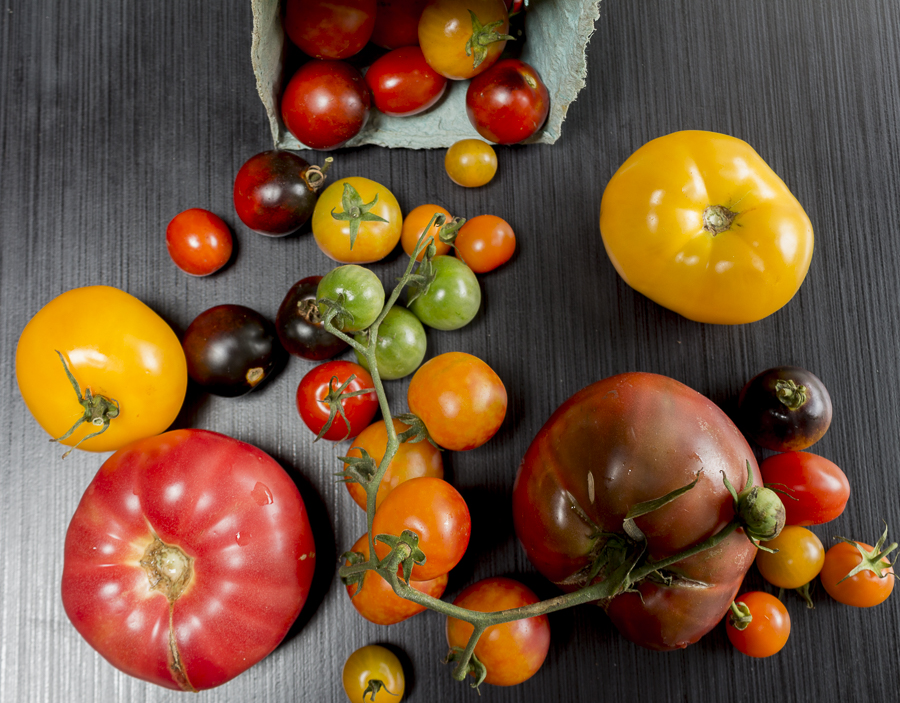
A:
(356, 291)
(401, 344)
(453, 298)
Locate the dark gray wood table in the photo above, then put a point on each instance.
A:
(114, 116)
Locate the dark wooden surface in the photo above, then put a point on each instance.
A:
(114, 116)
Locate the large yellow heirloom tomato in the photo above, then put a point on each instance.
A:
(699, 223)
(126, 362)
(357, 221)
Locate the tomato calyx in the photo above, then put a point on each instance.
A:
(471, 666)
(404, 552)
(355, 211)
(740, 615)
(417, 431)
(334, 400)
(98, 410)
(314, 176)
(483, 35)
(718, 219)
(373, 686)
(759, 509)
(874, 561)
(792, 395)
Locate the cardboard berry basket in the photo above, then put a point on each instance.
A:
(556, 34)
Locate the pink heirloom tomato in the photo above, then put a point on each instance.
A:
(188, 558)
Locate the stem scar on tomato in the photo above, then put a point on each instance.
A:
(98, 410)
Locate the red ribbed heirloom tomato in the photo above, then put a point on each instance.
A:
(621, 441)
(188, 558)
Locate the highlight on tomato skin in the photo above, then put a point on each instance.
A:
(198, 241)
(768, 630)
(814, 489)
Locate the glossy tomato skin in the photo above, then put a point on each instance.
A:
(356, 291)
(373, 662)
(445, 27)
(299, 324)
(403, 84)
(412, 460)
(198, 241)
(228, 507)
(314, 388)
(437, 513)
(471, 163)
(231, 350)
(660, 233)
(508, 103)
(797, 559)
(397, 23)
(461, 400)
(329, 29)
(114, 345)
(414, 225)
(401, 344)
(452, 299)
(814, 489)
(326, 103)
(862, 590)
(769, 629)
(511, 652)
(774, 414)
(485, 242)
(620, 441)
(376, 600)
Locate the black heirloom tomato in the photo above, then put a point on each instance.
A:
(299, 324)
(231, 349)
(619, 442)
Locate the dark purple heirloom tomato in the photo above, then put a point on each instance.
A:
(299, 324)
(507, 103)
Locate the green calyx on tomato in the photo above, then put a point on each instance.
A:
(334, 400)
(483, 35)
(404, 552)
(355, 211)
(358, 469)
(760, 510)
(874, 560)
(98, 410)
(471, 667)
(740, 616)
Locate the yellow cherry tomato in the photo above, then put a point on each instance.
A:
(462, 38)
(370, 673)
(471, 163)
(699, 223)
(357, 221)
(127, 363)
(414, 225)
(797, 559)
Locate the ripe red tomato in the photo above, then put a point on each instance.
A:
(329, 29)
(508, 103)
(461, 400)
(769, 629)
(327, 378)
(326, 103)
(437, 513)
(616, 443)
(462, 38)
(188, 558)
(865, 588)
(403, 84)
(512, 652)
(814, 489)
(198, 241)
(485, 242)
(397, 23)
(376, 600)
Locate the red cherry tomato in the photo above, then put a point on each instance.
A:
(437, 513)
(198, 241)
(397, 23)
(188, 558)
(327, 378)
(326, 103)
(769, 630)
(485, 242)
(508, 103)
(403, 84)
(813, 489)
(512, 652)
(329, 29)
(376, 600)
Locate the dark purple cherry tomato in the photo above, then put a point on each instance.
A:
(397, 23)
(784, 409)
(507, 103)
(326, 103)
(275, 192)
(299, 324)
(329, 29)
(402, 82)
(231, 349)
(198, 241)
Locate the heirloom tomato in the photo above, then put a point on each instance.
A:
(412, 460)
(769, 628)
(299, 324)
(376, 601)
(188, 558)
(403, 84)
(319, 389)
(462, 38)
(814, 490)
(439, 516)
(700, 224)
(357, 221)
(619, 442)
(511, 652)
(508, 103)
(371, 669)
(460, 400)
(198, 241)
(471, 163)
(329, 29)
(127, 364)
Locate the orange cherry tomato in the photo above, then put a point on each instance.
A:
(414, 225)
(769, 630)
(862, 590)
(462, 38)
(471, 163)
(485, 242)
(198, 241)
(797, 560)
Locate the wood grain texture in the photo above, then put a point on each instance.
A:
(115, 116)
